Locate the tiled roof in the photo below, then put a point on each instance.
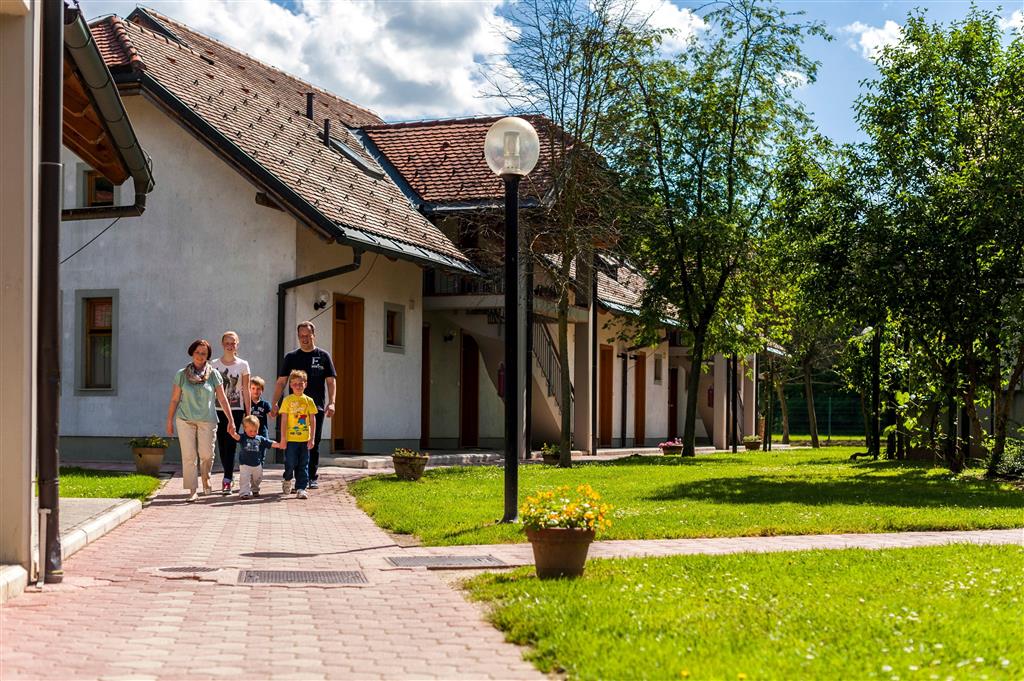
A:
(625, 290)
(261, 111)
(443, 161)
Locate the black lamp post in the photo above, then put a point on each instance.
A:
(511, 149)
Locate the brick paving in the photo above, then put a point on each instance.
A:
(117, 616)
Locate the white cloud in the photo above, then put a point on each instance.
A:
(401, 59)
(1014, 22)
(663, 14)
(870, 40)
(793, 79)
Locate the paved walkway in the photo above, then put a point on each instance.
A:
(119, 615)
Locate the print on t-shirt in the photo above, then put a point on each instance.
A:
(300, 410)
(232, 375)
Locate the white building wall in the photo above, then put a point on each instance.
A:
(202, 259)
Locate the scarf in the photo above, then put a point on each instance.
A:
(196, 376)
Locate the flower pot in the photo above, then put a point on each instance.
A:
(551, 459)
(560, 551)
(148, 460)
(752, 446)
(409, 467)
(672, 449)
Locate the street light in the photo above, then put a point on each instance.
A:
(511, 149)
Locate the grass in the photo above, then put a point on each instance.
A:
(949, 612)
(715, 495)
(82, 482)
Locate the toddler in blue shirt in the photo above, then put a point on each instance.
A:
(252, 446)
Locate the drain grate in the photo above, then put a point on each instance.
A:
(446, 562)
(301, 577)
(188, 568)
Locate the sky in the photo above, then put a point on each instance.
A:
(415, 59)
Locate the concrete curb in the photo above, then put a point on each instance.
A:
(13, 580)
(82, 535)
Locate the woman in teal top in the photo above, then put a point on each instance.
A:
(192, 398)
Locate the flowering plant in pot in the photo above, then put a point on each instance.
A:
(148, 453)
(409, 464)
(560, 524)
(674, 446)
(551, 453)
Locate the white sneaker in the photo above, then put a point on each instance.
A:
(286, 486)
(245, 496)
(302, 494)
(192, 497)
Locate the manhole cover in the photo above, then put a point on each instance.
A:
(301, 577)
(446, 562)
(188, 568)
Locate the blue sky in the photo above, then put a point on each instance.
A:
(414, 59)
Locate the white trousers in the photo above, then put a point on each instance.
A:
(196, 439)
(250, 478)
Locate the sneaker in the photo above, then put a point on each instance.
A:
(313, 484)
(255, 491)
(245, 496)
(225, 488)
(302, 494)
(206, 488)
(286, 486)
(192, 497)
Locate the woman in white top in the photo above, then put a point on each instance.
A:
(235, 372)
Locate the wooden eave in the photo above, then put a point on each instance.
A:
(84, 132)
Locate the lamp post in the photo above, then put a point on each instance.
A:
(511, 149)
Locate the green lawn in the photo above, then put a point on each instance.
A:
(715, 495)
(82, 482)
(950, 612)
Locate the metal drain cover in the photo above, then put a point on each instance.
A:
(446, 562)
(188, 568)
(301, 577)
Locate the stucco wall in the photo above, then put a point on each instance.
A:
(202, 259)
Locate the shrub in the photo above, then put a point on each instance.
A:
(1012, 465)
(403, 453)
(148, 442)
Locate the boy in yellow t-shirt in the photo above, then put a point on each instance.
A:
(299, 411)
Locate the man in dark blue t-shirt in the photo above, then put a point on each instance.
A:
(321, 386)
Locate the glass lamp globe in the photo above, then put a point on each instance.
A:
(512, 147)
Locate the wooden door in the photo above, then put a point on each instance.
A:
(673, 404)
(640, 399)
(469, 393)
(425, 390)
(347, 423)
(606, 355)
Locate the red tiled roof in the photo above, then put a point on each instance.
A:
(625, 290)
(443, 161)
(261, 111)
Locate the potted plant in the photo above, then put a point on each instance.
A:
(551, 453)
(752, 443)
(560, 524)
(148, 453)
(409, 464)
(672, 447)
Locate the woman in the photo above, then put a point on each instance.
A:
(191, 408)
(235, 374)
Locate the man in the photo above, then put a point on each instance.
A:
(321, 386)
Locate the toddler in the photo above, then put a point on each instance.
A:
(250, 458)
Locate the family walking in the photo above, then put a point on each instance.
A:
(212, 400)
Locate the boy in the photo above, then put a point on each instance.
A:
(260, 407)
(250, 458)
(300, 426)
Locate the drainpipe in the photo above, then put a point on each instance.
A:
(624, 356)
(101, 89)
(594, 312)
(48, 324)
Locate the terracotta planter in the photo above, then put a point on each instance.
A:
(409, 467)
(560, 552)
(752, 446)
(672, 449)
(148, 460)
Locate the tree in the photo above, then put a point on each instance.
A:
(699, 135)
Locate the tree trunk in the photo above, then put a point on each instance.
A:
(693, 385)
(781, 394)
(565, 386)
(812, 417)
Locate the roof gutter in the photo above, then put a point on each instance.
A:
(79, 44)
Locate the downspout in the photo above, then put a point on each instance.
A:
(48, 301)
(625, 383)
(594, 316)
(102, 90)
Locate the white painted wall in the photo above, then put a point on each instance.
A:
(202, 259)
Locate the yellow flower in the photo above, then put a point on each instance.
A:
(685, 674)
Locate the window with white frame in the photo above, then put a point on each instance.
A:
(394, 328)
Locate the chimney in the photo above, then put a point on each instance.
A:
(309, 105)
(327, 132)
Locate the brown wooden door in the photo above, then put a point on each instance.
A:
(606, 355)
(673, 404)
(425, 390)
(347, 423)
(469, 393)
(640, 399)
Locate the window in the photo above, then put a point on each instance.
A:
(657, 369)
(99, 191)
(96, 344)
(394, 328)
